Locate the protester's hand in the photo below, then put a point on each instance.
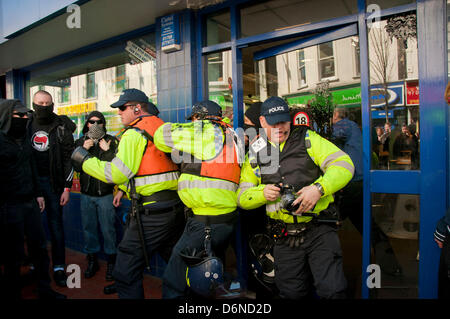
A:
(88, 143)
(41, 203)
(104, 145)
(117, 198)
(439, 243)
(64, 198)
(308, 196)
(271, 192)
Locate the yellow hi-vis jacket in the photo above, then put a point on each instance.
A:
(126, 164)
(336, 166)
(203, 140)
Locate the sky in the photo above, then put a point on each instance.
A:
(18, 14)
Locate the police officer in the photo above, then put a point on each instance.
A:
(315, 168)
(155, 178)
(208, 183)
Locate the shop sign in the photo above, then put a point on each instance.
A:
(301, 118)
(395, 95)
(412, 93)
(137, 52)
(170, 33)
(347, 97)
(76, 109)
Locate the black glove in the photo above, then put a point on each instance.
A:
(79, 155)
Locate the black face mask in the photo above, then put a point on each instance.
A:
(43, 113)
(18, 127)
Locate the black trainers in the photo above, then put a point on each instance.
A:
(60, 278)
(92, 267)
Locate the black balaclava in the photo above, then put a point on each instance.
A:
(18, 127)
(43, 114)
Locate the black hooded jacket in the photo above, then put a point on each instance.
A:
(60, 140)
(90, 185)
(17, 163)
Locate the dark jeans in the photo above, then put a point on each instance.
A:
(19, 220)
(174, 278)
(160, 231)
(94, 211)
(317, 261)
(55, 222)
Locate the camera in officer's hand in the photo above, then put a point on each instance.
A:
(288, 196)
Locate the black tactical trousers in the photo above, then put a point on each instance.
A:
(317, 261)
(161, 231)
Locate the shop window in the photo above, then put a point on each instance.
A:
(121, 82)
(215, 67)
(395, 245)
(218, 28)
(356, 60)
(64, 94)
(220, 81)
(267, 16)
(91, 87)
(394, 95)
(326, 61)
(301, 68)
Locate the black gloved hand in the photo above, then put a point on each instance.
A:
(79, 155)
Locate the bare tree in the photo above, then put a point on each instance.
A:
(381, 62)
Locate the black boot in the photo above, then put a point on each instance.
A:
(110, 267)
(92, 267)
(110, 289)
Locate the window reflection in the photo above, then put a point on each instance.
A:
(220, 81)
(394, 94)
(395, 244)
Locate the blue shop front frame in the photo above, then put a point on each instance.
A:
(431, 181)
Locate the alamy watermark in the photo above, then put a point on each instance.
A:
(73, 21)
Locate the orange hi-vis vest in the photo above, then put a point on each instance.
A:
(224, 166)
(154, 161)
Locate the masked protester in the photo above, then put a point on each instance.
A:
(21, 199)
(97, 197)
(52, 141)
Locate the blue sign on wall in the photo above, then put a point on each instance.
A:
(395, 95)
(170, 33)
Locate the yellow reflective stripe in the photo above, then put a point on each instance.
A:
(273, 207)
(243, 187)
(217, 184)
(167, 135)
(159, 178)
(345, 165)
(108, 173)
(330, 158)
(122, 167)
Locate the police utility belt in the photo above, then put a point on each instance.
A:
(166, 201)
(294, 233)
